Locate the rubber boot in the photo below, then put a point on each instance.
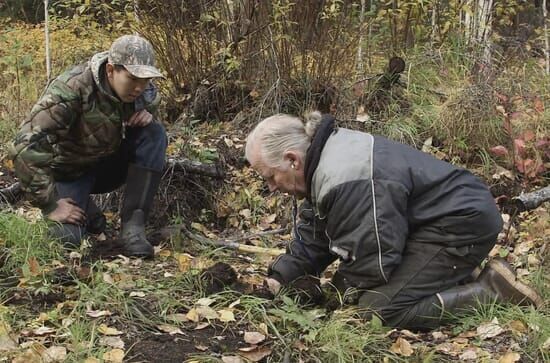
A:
(496, 283)
(499, 277)
(141, 187)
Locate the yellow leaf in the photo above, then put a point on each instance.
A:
(226, 316)
(114, 356)
(518, 326)
(184, 261)
(91, 360)
(193, 315)
(105, 330)
(402, 347)
(509, 357)
(8, 163)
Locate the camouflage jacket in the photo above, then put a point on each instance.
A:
(76, 122)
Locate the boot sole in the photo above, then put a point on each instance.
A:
(509, 275)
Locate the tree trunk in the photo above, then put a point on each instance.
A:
(546, 41)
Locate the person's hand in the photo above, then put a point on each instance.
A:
(140, 119)
(273, 285)
(68, 211)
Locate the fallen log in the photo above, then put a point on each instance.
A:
(195, 167)
(10, 193)
(528, 201)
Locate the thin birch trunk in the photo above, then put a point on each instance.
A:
(360, 68)
(546, 41)
(47, 36)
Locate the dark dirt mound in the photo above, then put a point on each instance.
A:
(165, 348)
(308, 290)
(217, 277)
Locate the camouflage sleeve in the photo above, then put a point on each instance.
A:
(32, 150)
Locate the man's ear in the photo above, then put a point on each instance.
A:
(294, 159)
(110, 68)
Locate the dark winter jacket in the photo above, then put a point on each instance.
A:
(369, 197)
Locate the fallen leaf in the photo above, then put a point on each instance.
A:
(439, 336)
(193, 315)
(226, 316)
(177, 317)
(113, 342)
(205, 301)
(105, 330)
(7, 343)
(92, 360)
(253, 337)
(201, 326)
(202, 348)
(184, 261)
(517, 326)
(263, 328)
(468, 354)
(170, 329)
(489, 330)
(207, 312)
(54, 354)
(509, 357)
(257, 355)
(402, 347)
(29, 356)
(114, 356)
(137, 294)
(248, 349)
(98, 313)
(43, 330)
(107, 278)
(232, 359)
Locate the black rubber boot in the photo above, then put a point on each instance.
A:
(496, 283)
(141, 187)
(499, 277)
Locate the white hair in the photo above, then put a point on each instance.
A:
(280, 133)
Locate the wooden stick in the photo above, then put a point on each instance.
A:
(235, 245)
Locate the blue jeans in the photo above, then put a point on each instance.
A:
(143, 146)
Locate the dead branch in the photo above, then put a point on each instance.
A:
(232, 243)
(528, 201)
(10, 193)
(195, 167)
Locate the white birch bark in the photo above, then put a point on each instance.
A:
(546, 35)
(47, 37)
(359, 62)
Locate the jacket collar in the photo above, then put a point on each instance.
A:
(313, 154)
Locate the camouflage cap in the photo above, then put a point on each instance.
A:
(136, 54)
